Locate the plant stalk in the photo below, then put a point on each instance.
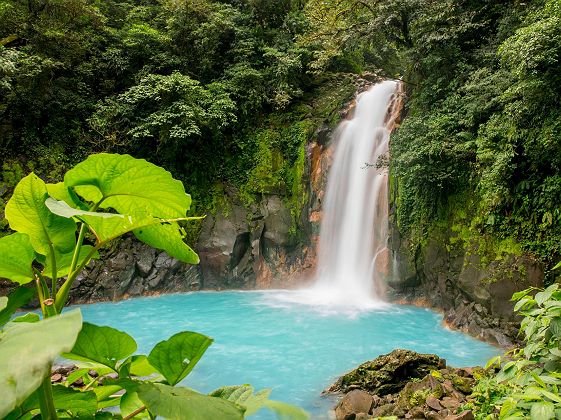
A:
(135, 412)
(46, 402)
(53, 274)
(79, 243)
(64, 290)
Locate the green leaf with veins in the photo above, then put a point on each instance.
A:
(103, 345)
(176, 357)
(61, 192)
(243, 395)
(27, 213)
(168, 237)
(158, 233)
(128, 185)
(17, 257)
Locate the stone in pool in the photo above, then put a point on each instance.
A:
(388, 373)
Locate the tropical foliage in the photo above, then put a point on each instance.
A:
(59, 228)
(529, 380)
(482, 122)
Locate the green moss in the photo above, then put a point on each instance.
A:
(418, 397)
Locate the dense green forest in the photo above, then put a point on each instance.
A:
(219, 93)
(227, 93)
(481, 142)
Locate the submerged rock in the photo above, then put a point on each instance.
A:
(388, 373)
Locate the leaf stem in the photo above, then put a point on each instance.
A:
(135, 412)
(54, 273)
(46, 402)
(77, 248)
(64, 290)
(40, 291)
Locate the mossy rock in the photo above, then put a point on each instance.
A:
(389, 373)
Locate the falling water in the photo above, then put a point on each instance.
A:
(353, 258)
(353, 255)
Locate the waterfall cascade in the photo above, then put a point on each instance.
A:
(354, 258)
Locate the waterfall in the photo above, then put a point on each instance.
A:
(353, 258)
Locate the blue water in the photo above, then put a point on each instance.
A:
(294, 349)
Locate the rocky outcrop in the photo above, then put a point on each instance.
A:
(388, 373)
(458, 277)
(252, 247)
(421, 386)
(132, 268)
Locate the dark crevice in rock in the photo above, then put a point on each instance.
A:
(241, 246)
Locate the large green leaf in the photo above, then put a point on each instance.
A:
(105, 226)
(167, 237)
(14, 301)
(176, 357)
(27, 351)
(542, 411)
(243, 395)
(17, 254)
(61, 192)
(127, 185)
(63, 209)
(163, 234)
(178, 403)
(555, 326)
(103, 345)
(27, 213)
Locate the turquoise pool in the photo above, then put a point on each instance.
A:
(295, 349)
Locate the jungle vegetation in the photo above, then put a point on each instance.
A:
(226, 93)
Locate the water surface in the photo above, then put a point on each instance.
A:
(296, 349)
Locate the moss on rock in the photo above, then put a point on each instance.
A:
(389, 373)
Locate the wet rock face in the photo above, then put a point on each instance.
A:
(252, 247)
(475, 294)
(425, 389)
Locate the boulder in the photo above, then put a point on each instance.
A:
(388, 373)
(353, 403)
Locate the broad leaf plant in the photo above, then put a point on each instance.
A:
(58, 229)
